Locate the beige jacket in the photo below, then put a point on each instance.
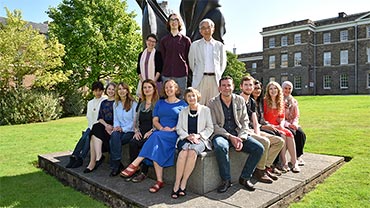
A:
(240, 115)
(204, 124)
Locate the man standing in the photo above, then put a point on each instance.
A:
(230, 120)
(207, 60)
(174, 48)
(272, 144)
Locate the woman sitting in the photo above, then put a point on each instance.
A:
(274, 114)
(161, 145)
(194, 128)
(101, 131)
(292, 119)
(123, 125)
(143, 124)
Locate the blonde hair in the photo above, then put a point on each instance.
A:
(279, 98)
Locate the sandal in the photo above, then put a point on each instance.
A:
(296, 169)
(155, 188)
(175, 194)
(182, 192)
(129, 171)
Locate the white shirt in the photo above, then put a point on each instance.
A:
(208, 57)
(92, 113)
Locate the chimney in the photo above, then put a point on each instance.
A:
(341, 14)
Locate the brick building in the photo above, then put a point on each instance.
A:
(329, 56)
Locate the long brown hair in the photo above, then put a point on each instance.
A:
(155, 96)
(279, 98)
(129, 98)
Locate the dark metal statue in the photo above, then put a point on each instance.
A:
(192, 12)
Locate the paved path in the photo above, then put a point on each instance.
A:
(115, 192)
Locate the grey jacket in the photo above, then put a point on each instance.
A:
(240, 115)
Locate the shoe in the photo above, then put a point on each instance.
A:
(129, 171)
(284, 169)
(296, 169)
(224, 186)
(300, 162)
(182, 192)
(139, 178)
(261, 176)
(247, 184)
(116, 171)
(78, 163)
(87, 170)
(270, 174)
(276, 171)
(72, 160)
(156, 187)
(99, 162)
(175, 194)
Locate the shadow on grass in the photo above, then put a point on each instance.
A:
(40, 190)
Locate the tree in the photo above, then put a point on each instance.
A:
(24, 51)
(101, 39)
(234, 69)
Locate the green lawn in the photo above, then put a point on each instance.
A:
(335, 125)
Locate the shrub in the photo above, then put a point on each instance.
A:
(19, 106)
(73, 103)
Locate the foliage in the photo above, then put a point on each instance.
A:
(234, 69)
(101, 39)
(73, 102)
(23, 51)
(19, 106)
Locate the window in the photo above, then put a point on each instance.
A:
(272, 62)
(297, 82)
(272, 43)
(284, 60)
(343, 35)
(297, 39)
(327, 82)
(283, 78)
(327, 58)
(284, 40)
(343, 81)
(368, 55)
(326, 38)
(272, 79)
(344, 57)
(254, 65)
(368, 80)
(368, 31)
(297, 59)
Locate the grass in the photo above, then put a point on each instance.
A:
(335, 125)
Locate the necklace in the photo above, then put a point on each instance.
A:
(96, 103)
(193, 115)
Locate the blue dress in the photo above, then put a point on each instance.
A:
(161, 145)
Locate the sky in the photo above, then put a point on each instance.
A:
(244, 19)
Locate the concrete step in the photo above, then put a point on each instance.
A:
(115, 192)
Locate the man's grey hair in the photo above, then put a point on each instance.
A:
(210, 22)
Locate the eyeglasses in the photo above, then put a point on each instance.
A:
(174, 19)
(152, 41)
(205, 28)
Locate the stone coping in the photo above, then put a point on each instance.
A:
(115, 192)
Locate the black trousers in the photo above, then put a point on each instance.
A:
(134, 150)
(300, 140)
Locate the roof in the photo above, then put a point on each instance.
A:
(41, 27)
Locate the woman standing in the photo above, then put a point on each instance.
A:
(292, 119)
(149, 64)
(274, 114)
(194, 128)
(143, 124)
(123, 125)
(161, 145)
(101, 131)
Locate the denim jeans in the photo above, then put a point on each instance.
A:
(250, 146)
(117, 139)
(83, 145)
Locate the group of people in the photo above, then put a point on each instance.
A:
(210, 117)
